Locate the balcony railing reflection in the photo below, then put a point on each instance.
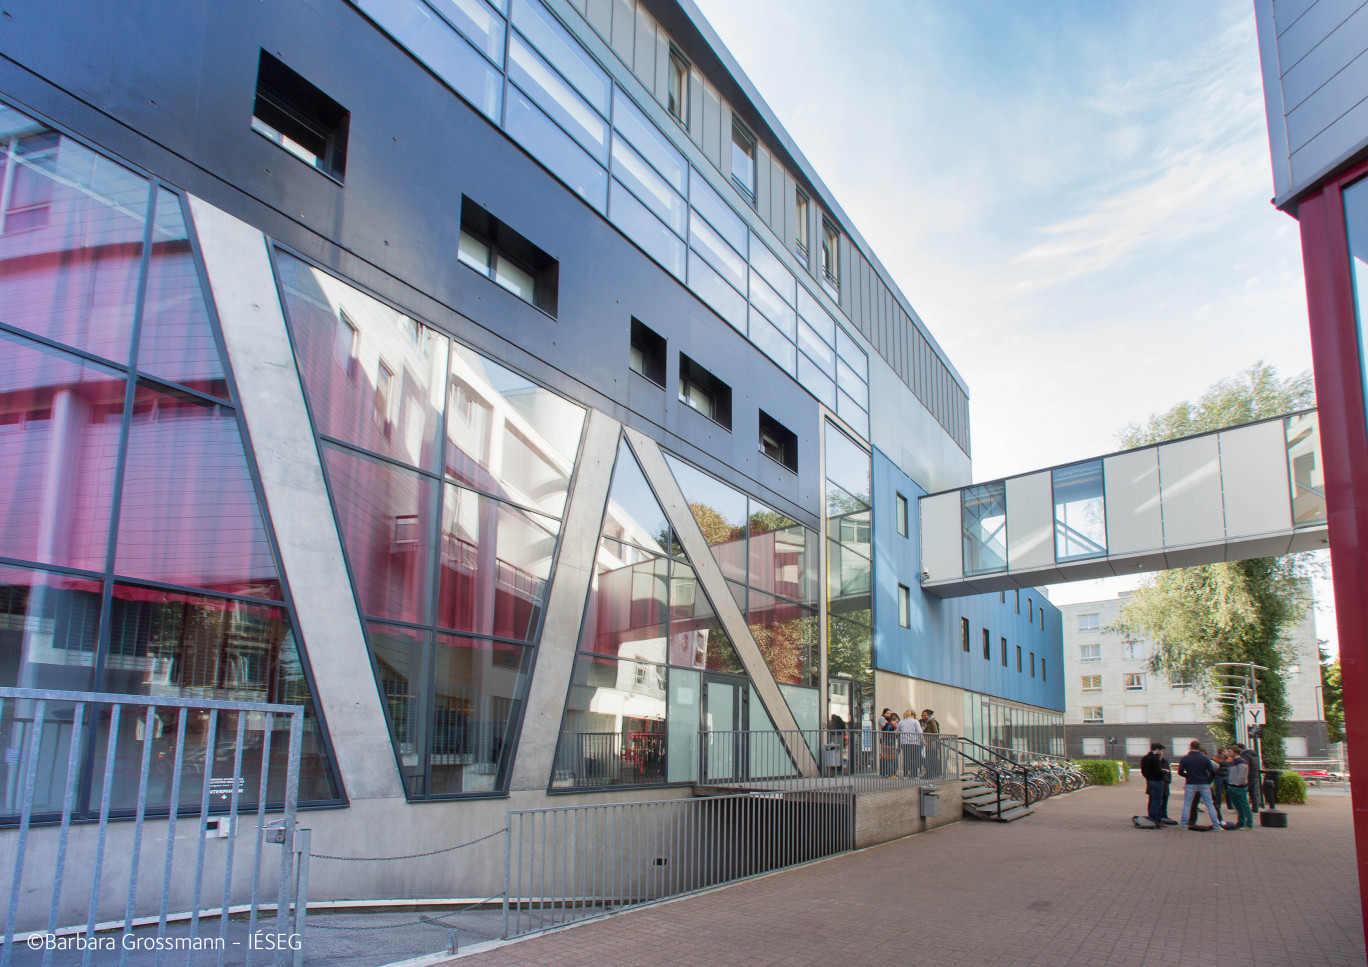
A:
(610, 759)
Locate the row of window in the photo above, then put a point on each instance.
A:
(1130, 651)
(1294, 746)
(1138, 714)
(1032, 613)
(1130, 681)
(1002, 651)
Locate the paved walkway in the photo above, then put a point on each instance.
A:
(1072, 885)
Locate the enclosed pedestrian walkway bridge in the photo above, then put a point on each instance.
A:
(1256, 490)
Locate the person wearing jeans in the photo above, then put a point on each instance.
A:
(1237, 786)
(1155, 768)
(1198, 770)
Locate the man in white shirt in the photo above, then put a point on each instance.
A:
(910, 738)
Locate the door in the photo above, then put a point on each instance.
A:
(726, 718)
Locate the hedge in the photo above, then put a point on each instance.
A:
(1291, 789)
(1103, 772)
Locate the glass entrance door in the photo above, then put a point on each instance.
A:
(726, 718)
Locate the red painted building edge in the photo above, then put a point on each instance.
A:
(1344, 446)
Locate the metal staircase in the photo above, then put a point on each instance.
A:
(983, 802)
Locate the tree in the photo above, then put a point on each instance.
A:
(1236, 611)
(1332, 696)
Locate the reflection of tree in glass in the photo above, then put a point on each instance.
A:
(715, 528)
(787, 648)
(848, 649)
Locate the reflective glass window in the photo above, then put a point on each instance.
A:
(697, 639)
(557, 98)
(663, 156)
(546, 142)
(399, 657)
(985, 528)
(60, 418)
(847, 464)
(480, 25)
(816, 382)
(718, 253)
(175, 339)
(677, 102)
(719, 214)
(715, 292)
(787, 635)
(189, 514)
(495, 565)
(720, 511)
(772, 341)
(768, 265)
(1080, 511)
(477, 694)
(849, 382)
(507, 436)
(49, 629)
(628, 601)
(374, 376)
(853, 413)
(71, 239)
(848, 576)
(555, 43)
(614, 730)
(783, 555)
(634, 514)
(743, 158)
(849, 351)
(775, 309)
(1306, 469)
(387, 517)
(167, 643)
(849, 649)
(446, 53)
(644, 228)
(817, 317)
(818, 351)
(649, 188)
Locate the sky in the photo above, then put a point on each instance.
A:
(1074, 197)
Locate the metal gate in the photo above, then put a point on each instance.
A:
(122, 819)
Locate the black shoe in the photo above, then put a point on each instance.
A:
(1168, 822)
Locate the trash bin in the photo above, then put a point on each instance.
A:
(1270, 787)
(930, 802)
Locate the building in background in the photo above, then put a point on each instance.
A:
(1111, 693)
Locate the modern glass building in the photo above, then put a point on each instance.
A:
(494, 378)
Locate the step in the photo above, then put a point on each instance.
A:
(1009, 815)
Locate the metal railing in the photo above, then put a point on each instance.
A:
(860, 760)
(570, 863)
(92, 783)
(611, 758)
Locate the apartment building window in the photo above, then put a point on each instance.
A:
(647, 354)
(1033, 664)
(987, 645)
(704, 392)
(1133, 681)
(1137, 745)
(300, 118)
(900, 514)
(679, 87)
(505, 257)
(28, 162)
(1004, 652)
(1087, 622)
(743, 159)
(1134, 650)
(778, 442)
(1043, 676)
(831, 265)
(1042, 619)
(1095, 747)
(800, 235)
(1030, 610)
(1183, 712)
(964, 633)
(1089, 652)
(1293, 674)
(384, 394)
(1018, 648)
(1092, 683)
(904, 606)
(1016, 595)
(1092, 713)
(1137, 715)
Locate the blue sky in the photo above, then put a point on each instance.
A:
(1073, 196)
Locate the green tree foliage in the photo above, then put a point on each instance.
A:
(1238, 611)
(1333, 695)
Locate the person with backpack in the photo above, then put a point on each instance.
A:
(1155, 768)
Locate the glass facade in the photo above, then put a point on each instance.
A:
(448, 474)
(985, 528)
(1080, 511)
(1305, 470)
(850, 568)
(1356, 232)
(134, 554)
(1020, 728)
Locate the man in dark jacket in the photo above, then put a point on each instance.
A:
(1198, 770)
(1155, 768)
(1255, 777)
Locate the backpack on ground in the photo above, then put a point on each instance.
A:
(1144, 822)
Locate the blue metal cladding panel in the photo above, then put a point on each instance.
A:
(931, 648)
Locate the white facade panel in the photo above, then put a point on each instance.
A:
(1328, 104)
(1254, 480)
(1289, 11)
(1134, 520)
(942, 553)
(1302, 32)
(1030, 522)
(1310, 74)
(1190, 491)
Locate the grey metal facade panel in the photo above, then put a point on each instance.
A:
(1345, 139)
(1289, 11)
(662, 71)
(1328, 104)
(1319, 22)
(644, 50)
(781, 205)
(762, 184)
(599, 14)
(712, 128)
(1339, 49)
(624, 29)
(696, 109)
(1274, 113)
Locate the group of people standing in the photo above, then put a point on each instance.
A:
(1232, 774)
(909, 744)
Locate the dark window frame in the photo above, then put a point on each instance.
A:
(692, 374)
(781, 439)
(290, 108)
(653, 350)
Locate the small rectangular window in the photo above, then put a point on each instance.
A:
(678, 103)
(1018, 601)
(1004, 652)
(1092, 683)
(647, 352)
(1092, 713)
(1002, 597)
(300, 118)
(831, 255)
(904, 606)
(1042, 669)
(1094, 747)
(800, 228)
(1018, 648)
(778, 442)
(1030, 610)
(1033, 664)
(1042, 619)
(508, 259)
(1089, 652)
(702, 391)
(1087, 622)
(743, 159)
(987, 645)
(384, 393)
(1133, 681)
(964, 633)
(900, 514)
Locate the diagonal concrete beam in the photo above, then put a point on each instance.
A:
(676, 508)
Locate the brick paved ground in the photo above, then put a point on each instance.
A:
(1073, 885)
